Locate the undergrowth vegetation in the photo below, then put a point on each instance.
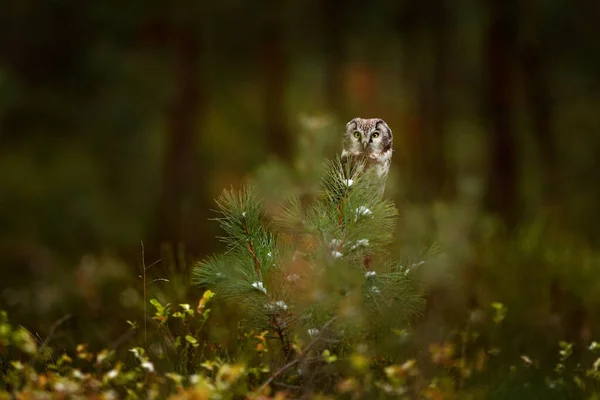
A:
(30, 369)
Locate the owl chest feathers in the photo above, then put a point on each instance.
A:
(379, 160)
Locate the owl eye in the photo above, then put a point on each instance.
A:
(375, 135)
(357, 134)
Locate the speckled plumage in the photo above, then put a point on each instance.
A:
(370, 140)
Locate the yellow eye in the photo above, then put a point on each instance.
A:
(357, 134)
(375, 135)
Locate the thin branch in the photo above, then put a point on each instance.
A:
(144, 295)
(128, 334)
(277, 373)
(285, 385)
(158, 280)
(299, 358)
(53, 329)
(153, 264)
(285, 345)
(143, 276)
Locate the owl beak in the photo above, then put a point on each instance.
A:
(365, 144)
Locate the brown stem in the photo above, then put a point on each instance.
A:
(250, 247)
(341, 217)
(256, 260)
(285, 344)
(367, 260)
(301, 357)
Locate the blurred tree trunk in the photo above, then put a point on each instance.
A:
(424, 27)
(274, 73)
(533, 59)
(179, 163)
(500, 50)
(435, 166)
(332, 21)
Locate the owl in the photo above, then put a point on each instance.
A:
(370, 141)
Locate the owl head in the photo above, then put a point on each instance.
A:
(367, 136)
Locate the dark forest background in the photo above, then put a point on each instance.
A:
(121, 121)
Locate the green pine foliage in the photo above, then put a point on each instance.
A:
(324, 260)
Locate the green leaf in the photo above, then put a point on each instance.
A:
(24, 341)
(209, 365)
(328, 357)
(138, 352)
(131, 395)
(174, 377)
(209, 294)
(500, 312)
(187, 309)
(159, 307)
(191, 340)
(64, 359)
(132, 324)
(18, 365)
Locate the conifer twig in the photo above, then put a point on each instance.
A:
(300, 357)
(250, 247)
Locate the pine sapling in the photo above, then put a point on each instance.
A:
(325, 264)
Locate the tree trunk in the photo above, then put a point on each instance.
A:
(274, 69)
(435, 167)
(332, 21)
(179, 167)
(533, 58)
(502, 188)
(424, 27)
